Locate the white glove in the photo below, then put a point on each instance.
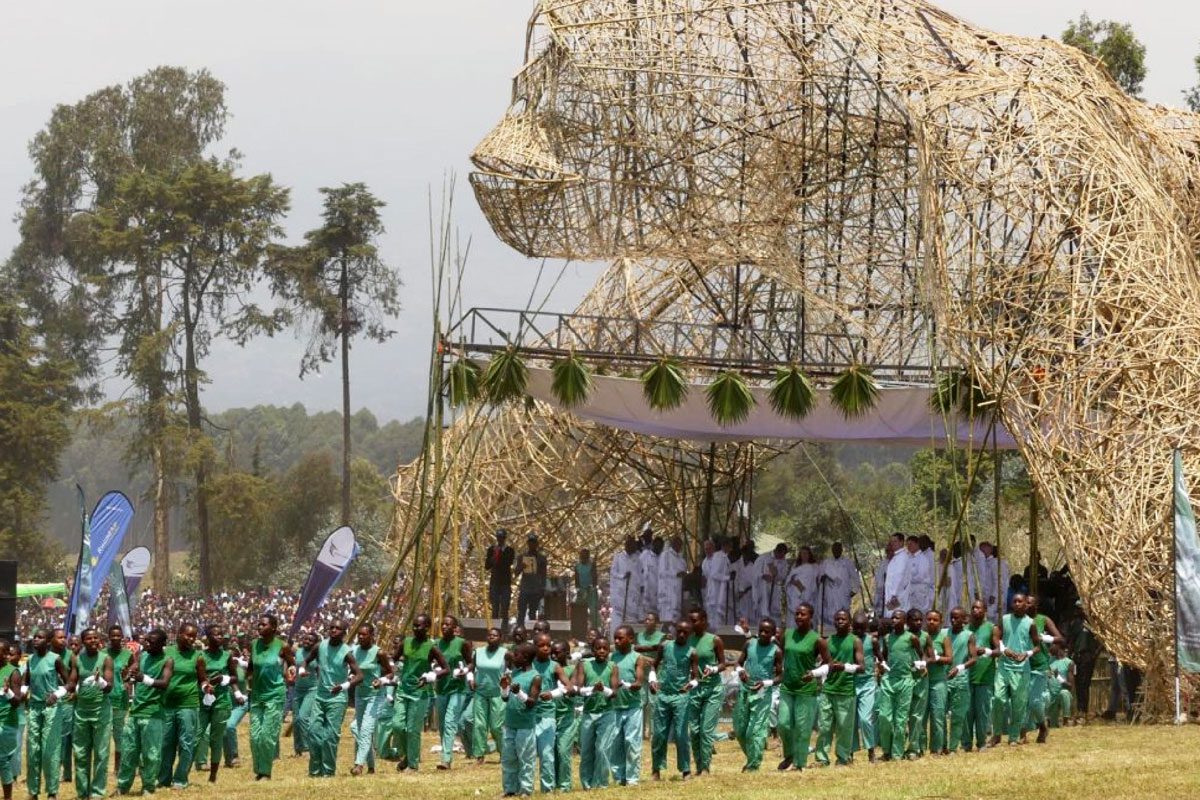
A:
(242, 662)
(225, 680)
(429, 677)
(471, 679)
(237, 695)
(625, 684)
(919, 665)
(24, 689)
(208, 699)
(954, 671)
(524, 698)
(1061, 679)
(557, 693)
(504, 693)
(768, 683)
(345, 686)
(820, 672)
(653, 676)
(587, 691)
(89, 680)
(693, 683)
(711, 669)
(576, 656)
(8, 694)
(300, 672)
(1029, 654)
(103, 684)
(987, 652)
(884, 666)
(851, 668)
(60, 692)
(608, 692)
(1047, 639)
(147, 680)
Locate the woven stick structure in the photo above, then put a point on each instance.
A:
(930, 194)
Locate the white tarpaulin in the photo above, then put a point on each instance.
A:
(903, 415)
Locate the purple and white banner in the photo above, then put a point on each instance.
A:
(336, 554)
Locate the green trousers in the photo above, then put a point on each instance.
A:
(210, 738)
(9, 741)
(303, 707)
(385, 743)
(918, 714)
(706, 700)
(231, 743)
(958, 703)
(180, 726)
(119, 712)
(671, 714)
(835, 720)
(894, 701)
(566, 735)
(1039, 699)
(864, 713)
(324, 730)
(43, 747)
(751, 713)
(488, 720)
(517, 757)
(1010, 701)
(1060, 704)
(366, 720)
(266, 720)
(89, 749)
(979, 715)
(937, 716)
(589, 598)
(141, 750)
(411, 710)
(595, 748)
(450, 718)
(627, 745)
(797, 712)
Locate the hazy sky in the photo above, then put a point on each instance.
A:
(394, 94)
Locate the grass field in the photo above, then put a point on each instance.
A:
(1108, 761)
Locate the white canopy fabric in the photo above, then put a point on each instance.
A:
(902, 416)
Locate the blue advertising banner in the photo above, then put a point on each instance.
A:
(335, 556)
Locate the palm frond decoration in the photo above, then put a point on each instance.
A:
(572, 381)
(506, 377)
(664, 385)
(464, 379)
(855, 393)
(729, 399)
(957, 391)
(792, 394)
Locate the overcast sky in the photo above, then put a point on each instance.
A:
(394, 94)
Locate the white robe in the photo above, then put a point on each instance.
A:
(996, 588)
(896, 587)
(624, 589)
(670, 584)
(717, 574)
(921, 580)
(840, 582)
(880, 587)
(744, 582)
(648, 561)
(802, 587)
(771, 590)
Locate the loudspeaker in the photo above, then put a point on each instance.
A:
(8, 599)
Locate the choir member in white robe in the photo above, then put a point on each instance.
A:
(671, 569)
(920, 577)
(802, 581)
(716, 571)
(745, 579)
(880, 588)
(896, 588)
(839, 583)
(625, 586)
(773, 569)
(648, 561)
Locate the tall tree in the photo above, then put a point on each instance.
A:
(208, 231)
(1115, 46)
(1192, 96)
(342, 289)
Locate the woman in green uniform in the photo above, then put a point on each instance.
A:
(597, 682)
(451, 689)
(518, 753)
(939, 668)
(901, 651)
(92, 679)
(627, 709)
(272, 666)
(484, 680)
(1062, 675)
(216, 704)
(11, 695)
(337, 672)
(181, 709)
(674, 675)
(759, 668)
(118, 698)
(649, 641)
(835, 705)
(1013, 640)
(150, 675)
(568, 706)
(1046, 633)
(918, 711)
(14, 661)
(47, 678)
(981, 675)
(420, 664)
(805, 660)
(306, 681)
(369, 698)
(707, 698)
(585, 587)
(865, 685)
(958, 684)
(545, 711)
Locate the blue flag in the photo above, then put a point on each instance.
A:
(1187, 576)
(110, 521)
(339, 550)
(82, 585)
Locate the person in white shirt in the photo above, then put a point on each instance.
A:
(996, 576)
(896, 589)
(648, 561)
(671, 569)
(745, 580)
(716, 571)
(802, 580)
(839, 584)
(880, 588)
(920, 573)
(773, 569)
(625, 585)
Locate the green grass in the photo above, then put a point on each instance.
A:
(1095, 761)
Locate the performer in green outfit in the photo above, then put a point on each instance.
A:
(118, 698)
(918, 712)
(150, 675)
(306, 682)
(982, 676)
(675, 673)
(941, 658)
(759, 668)
(836, 703)
(369, 698)
(649, 641)
(47, 678)
(336, 673)
(11, 694)
(707, 698)
(568, 707)
(900, 653)
(553, 680)
(92, 680)
(627, 709)
(1062, 677)
(420, 664)
(1010, 698)
(216, 704)
(596, 682)
(1040, 681)
(272, 667)
(181, 709)
(520, 692)
(484, 680)
(865, 683)
(451, 689)
(805, 660)
(585, 587)
(958, 684)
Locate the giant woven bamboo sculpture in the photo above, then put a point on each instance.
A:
(886, 162)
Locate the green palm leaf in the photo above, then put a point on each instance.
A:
(729, 399)
(572, 382)
(506, 377)
(855, 393)
(664, 385)
(792, 394)
(958, 391)
(464, 377)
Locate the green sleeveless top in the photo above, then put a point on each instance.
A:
(42, 676)
(959, 652)
(1059, 666)
(760, 661)
(368, 664)
(1017, 635)
(799, 657)
(653, 640)
(867, 673)
(1040, 660)
(706, 656)
(583, 576)
(841, 649)
(416, 664)
(901, 653)
(984, 671)
(331, 666)
(545, 670)
(596, 702)
(184, 689)
(566, 704)
(10, 715)
(626, 664)
(306, 682)
(148, 700)
(518, 716)
(89, 699)
(216, 664)
(118, 698)
(452, 651)
(675, 668)
(937, 672)
(489, 666)
(268, 670)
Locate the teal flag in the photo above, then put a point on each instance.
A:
(1187, 576)
(79, 610)
(118, 603)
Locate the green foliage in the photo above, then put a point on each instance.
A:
(572, 382)
(1192, 96)
(464, 379)
(958, 392)
(1115, 46)
(792, 394)
(506, 377)
(664, 385)
(855, 392)
(730, 400)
